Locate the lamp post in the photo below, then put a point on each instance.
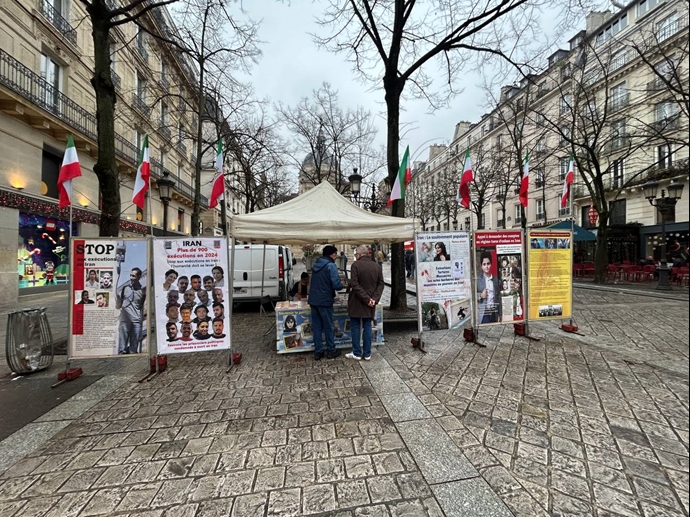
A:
(165, 186)
(355, 185)
(664, 205)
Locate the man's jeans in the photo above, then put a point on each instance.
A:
(355, 325)
(129, 334)
(322, 319)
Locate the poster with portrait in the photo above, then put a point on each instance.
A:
(550, 274)
(295, 332)
(191, 294)
(499, 291)
(109, 309)
(443, 279)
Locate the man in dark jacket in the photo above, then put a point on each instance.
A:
(366, 287)
(324, 283)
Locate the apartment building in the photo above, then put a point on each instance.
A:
(617, 98)
(46, 63)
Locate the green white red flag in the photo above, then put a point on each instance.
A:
(218, 185)
(402, 179)
(569, 177)
(524, 185)
(463, 193)
(70, 169)
(143, 179)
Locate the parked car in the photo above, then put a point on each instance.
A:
(277, 270)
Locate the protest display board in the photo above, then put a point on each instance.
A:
(108, 310)
(294, 331)
(190, 294)
(444, 279)
(499, 291)
(550, 274)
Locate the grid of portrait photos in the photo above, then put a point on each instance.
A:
(190, 294)
(98, 286)
(510, 277)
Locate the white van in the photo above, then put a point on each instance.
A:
(277, 273)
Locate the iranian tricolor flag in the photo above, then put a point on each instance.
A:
(463, 194)
(141, 183)
(218, 186)
(70, 169)
(403, 178)
(524, 185)
(569, 176)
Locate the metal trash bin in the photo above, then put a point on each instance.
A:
(28, 341)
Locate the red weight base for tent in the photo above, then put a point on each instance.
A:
(572, 328)
(69, 375)
(162, 363)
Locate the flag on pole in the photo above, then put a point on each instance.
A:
(569, 176)
(70, 169)
(524, 185)
(463, 193)
(398, 191)
(218, 186)
(141, 183)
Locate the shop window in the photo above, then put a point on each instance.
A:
(43, 250)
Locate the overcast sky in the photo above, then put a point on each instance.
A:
(292, 67)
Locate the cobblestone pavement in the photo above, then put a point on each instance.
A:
(569, 425)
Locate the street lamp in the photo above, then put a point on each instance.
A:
(165, 187)
(665, 205)
(355, 184)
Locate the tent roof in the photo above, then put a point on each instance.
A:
(579, 233)
(321, 215)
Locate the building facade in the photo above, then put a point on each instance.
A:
(616, 100)
(46, 63)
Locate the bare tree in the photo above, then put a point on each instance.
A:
(333, 139)
(392, 43)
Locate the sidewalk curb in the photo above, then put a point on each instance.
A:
(637, 292)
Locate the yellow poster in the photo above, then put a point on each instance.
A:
(550, 275)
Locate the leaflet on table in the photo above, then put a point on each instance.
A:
(445, 290)
(499, 293)
(190, 293)
(295, 333)
(550, 275)
(109, 305)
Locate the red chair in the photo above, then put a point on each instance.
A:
(588, 268)
(626, 263)
(682, 275)
(647, 273)
(612, 272)
(630, 272)
(577, 269)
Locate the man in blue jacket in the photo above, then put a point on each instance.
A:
(324, 283)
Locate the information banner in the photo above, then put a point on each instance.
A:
(190, 294)
(499, 292)
(444, 282)
(550, 275)
(294, 331)
(109, 306)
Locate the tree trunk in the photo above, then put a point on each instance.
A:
(601, 255)
(393, 89)
(196, 211)
(106, 166)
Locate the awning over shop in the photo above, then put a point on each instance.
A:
(579, 233)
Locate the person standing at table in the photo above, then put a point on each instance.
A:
(366, 288)
(324, 283)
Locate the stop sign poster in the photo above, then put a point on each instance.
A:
(108, 297)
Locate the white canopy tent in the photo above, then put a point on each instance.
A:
(321, 215)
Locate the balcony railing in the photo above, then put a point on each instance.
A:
(666, 124)
(541, 216)
(139, 103)
(618, 61)
(671, 28)
(181, 147)
(141, 50)
(38, 91)
(126, 150)
(58, 21)
(562, 212)
(164, 130)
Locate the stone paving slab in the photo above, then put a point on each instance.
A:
(470, 497)
(404, 406)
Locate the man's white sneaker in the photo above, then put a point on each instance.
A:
(353, 356)
(367, 358)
